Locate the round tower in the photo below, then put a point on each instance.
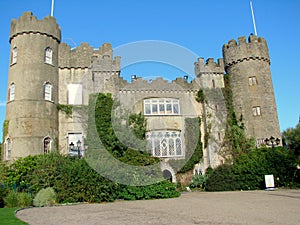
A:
(31, 111)
(248, 66)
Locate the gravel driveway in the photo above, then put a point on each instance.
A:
(255, 207)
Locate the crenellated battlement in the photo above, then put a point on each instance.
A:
(85, 56)
(158, 85)
(255, 48)
(209, 67)
(29, 24)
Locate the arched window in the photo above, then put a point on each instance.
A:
(7, 149)
(48, 55)
(48, 91)
(14, 55)
(47, 145)
(11, 92)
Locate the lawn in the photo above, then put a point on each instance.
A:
(7, 217)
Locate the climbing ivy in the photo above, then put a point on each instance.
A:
(67, 109)
(200, 96)
(193, 146)
(235, 140)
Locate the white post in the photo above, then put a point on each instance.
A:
(52, 8)
(253, 19)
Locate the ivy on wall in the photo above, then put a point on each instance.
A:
(193, 146)
(235, 140)
(67, 109)
(119, 133)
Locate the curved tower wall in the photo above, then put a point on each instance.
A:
(31, 116)
(248, 66)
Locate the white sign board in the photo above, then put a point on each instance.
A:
(269, 180)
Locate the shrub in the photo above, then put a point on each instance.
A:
(45, 197)
(24, 199)
(199, 181)
(221, 179)
(164, 189)
(17, 199)
(248, 170)
(11, 200)
(4, 190)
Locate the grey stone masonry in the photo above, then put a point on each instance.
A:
(248, 66)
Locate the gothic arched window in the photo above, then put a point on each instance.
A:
(48, 91)
(48, 55)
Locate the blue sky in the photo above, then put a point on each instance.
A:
(202, 26)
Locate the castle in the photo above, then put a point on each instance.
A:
(45, 73)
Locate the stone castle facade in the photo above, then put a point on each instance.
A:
(45, 73)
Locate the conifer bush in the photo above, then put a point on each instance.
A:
(11, 200)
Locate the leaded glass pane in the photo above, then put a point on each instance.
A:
(178, 147)
(171, 147)
(147, 109)
(175, 109)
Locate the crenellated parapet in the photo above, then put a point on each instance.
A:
(85, 56)
(158, 85)
(209, 67)
(255, 49)
(29, 24)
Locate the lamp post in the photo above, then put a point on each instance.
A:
(71, 145)
(272, 141)
(78, 148)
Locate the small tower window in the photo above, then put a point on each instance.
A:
(47, 145)
(48, 55)
(256, 111)
(14, 55)
(48, 91)
(7, 149)
(213, 83)
(11, 92)
(252, 81)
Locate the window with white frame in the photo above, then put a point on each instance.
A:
(14, 55)
(7, 149)
(75, 94)
(164, 143)
(48, 55)
(48, 91)
(256, 111)
(161, 106)
(11, 92)
(252, 81)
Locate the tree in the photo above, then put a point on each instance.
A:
(291, 137)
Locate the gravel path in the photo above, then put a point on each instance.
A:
(255, 207)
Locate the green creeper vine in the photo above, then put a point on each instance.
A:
(200, 96)
(235, 140)
(67, 109)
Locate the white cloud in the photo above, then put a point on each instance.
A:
(2, 104)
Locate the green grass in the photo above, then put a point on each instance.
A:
(7, 217)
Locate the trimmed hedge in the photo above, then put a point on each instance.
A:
(248, 171)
